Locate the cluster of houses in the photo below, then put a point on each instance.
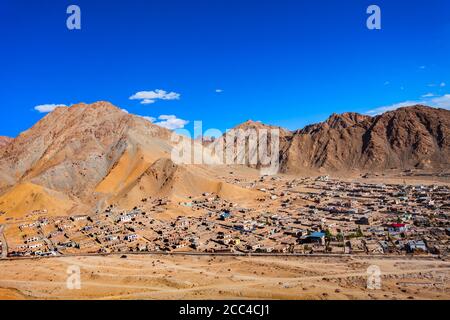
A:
(304, 216)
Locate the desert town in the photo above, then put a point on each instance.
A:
(304, 216)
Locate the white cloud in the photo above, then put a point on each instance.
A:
(165, 117)
(147, 101)
(151, 119)
(219, 90)
(46, 108)
(428, 95)
(442, 102)
(125, 110)
(149, 97)
(422, 67)
(171, 122)
(383, 109)
(442, 84)
(387, 83)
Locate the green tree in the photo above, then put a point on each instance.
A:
(359, 233)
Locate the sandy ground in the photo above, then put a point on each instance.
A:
(219, 277)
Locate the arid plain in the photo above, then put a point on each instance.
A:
(222, 277)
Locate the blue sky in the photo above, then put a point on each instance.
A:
(283, 62)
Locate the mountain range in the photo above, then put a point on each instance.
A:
(406, 138)
(86, 156)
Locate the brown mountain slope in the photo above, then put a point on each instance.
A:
(409, 137)
(91, 154)
(166, 179)
(5, 178)
(5, 141)
(242, 137)
(25, 198)
(72, 149)
(334, 144)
